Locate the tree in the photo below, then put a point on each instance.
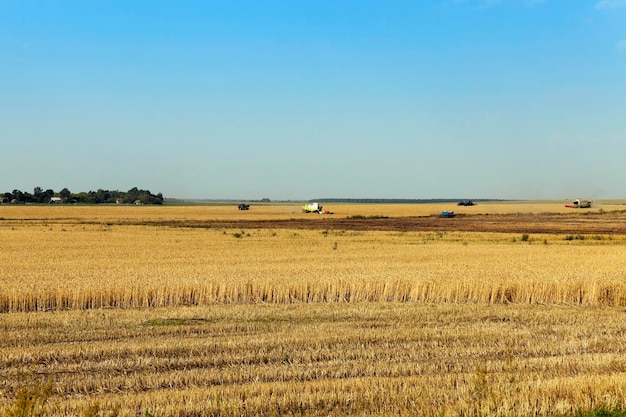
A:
(65, 195)
(102, 196)
(18, 195)
(41, 196)
(47, 195)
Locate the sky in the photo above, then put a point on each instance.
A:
(296, 100)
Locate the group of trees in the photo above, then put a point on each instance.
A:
(40, 195)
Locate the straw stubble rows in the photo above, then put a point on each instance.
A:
(321, 359)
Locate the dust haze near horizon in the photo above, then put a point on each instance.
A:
(508, 99)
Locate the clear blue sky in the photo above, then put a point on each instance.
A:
(520, 99)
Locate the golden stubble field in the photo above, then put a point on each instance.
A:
(112, 213)
(143, 318)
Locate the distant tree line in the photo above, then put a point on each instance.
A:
(65, 196)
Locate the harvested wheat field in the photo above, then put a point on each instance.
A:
(507, 309)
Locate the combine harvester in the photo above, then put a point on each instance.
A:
(315, 208)
(578, 203)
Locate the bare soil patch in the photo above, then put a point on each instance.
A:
(591, 223)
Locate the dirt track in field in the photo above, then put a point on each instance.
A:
(499, 223)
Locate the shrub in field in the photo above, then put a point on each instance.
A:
(30, 401)
(601, 411)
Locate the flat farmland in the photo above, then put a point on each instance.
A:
(507, 309)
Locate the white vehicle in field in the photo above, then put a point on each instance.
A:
(312, 208)
(578, 203)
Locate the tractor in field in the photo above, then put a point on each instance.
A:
(447, 214)
(243, 206)
(578, 203)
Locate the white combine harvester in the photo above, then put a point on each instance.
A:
(312, 208)
(578, 203)
(315, 208)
